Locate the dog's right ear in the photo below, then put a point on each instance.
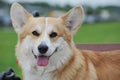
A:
(73, 19)
(19, 16)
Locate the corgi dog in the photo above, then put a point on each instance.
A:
(45, 49)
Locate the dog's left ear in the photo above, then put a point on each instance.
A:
(19, 16)
(73, 19)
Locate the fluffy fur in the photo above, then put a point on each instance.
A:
(66, 62)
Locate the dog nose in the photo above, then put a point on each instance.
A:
(43, 49)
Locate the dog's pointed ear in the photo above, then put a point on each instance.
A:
(73, 19)
(19, 16)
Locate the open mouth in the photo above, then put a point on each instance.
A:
(43, 60)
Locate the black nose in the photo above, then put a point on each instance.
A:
(42, 49)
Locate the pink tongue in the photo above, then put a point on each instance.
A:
(42, 61)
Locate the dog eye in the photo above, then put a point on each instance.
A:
(53, 34)
(35, 33)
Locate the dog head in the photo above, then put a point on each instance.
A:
(44, 37)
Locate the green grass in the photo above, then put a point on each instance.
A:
(7, 51)
(104, 32)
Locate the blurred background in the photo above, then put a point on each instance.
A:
(101, 23)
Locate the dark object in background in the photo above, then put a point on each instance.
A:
(36, 14)
(8, 75)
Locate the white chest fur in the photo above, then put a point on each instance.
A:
(38, 74)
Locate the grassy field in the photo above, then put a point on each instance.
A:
(104, 32)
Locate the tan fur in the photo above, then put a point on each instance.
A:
(93, 66)
(107, 64)
(80, 65)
